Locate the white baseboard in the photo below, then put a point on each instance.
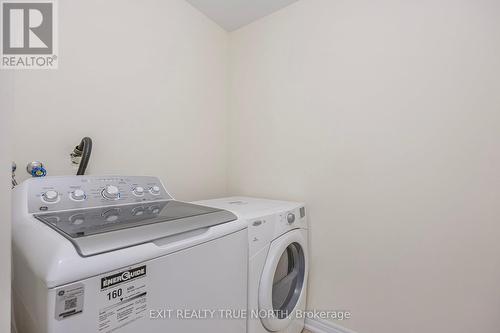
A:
(319, 326)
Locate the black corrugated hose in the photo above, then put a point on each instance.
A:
(84, 149)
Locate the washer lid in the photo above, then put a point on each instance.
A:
(97, 230)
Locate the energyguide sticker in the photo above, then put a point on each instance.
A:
(123, 298)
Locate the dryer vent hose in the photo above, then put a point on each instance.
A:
(83, 150)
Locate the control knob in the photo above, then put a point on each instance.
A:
(155, 190)
(111, 192)
(138, 191)
(290, 218)
(50, 196)
(78, 195)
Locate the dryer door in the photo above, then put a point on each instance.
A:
(284, 280)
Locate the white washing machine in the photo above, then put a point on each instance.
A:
(118, 254)
(278, 261)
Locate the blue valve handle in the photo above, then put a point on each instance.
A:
(38, 172)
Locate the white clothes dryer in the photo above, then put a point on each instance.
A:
(278, 261)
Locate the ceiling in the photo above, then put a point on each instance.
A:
(233, 14)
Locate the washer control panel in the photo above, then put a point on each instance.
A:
(77, 192)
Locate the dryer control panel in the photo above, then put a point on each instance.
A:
(77, 192)
(291, 219)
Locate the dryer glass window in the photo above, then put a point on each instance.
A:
(288, 280)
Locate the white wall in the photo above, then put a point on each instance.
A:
(6, 108)
(147, 80)
(384, 116)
